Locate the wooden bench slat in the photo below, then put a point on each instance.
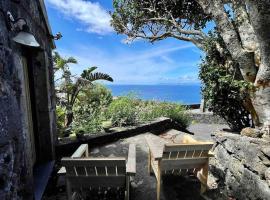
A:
(131, 161)
(187, 163)
(98, 162)
(96, 181)
(187, 147)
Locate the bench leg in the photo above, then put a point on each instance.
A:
(149, 162)
(205, 175)
(150, 170)
(127, 187)
(69, 192)
(158, 189)
(158, 181)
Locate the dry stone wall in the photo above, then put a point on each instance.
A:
(242, 164)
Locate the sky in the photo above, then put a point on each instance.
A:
(88, 36)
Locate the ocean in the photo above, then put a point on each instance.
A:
(185, 94)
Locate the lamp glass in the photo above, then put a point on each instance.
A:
(26, 39)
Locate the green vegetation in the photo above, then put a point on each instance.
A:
(69, 87)
(225, 91)
(123, 111)
(130, 111)
(95, 110)
(90, 108)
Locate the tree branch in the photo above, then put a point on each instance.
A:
(230, 36)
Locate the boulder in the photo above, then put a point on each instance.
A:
(251, 132)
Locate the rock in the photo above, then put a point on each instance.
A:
(135, 185)
(266, 131)
(266, 150)
(111, 156)
(267, 175)
(251, 132)
(111, 146)
(95, 151)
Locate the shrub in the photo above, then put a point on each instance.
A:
(123, 112)
(174, 111)
(89, 109)
(129, 111)
(60, 120)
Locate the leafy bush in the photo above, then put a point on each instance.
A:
(151, 110)
(60, 120)
(225, 91)
(129, 111)
(89, 109)
(123, 111)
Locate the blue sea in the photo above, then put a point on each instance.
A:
(185, 94)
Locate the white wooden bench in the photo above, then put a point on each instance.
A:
(178, 159)
(86, 172)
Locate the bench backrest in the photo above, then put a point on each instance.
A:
(93, 172)
(185, 156)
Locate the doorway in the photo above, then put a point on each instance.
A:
(30, 108)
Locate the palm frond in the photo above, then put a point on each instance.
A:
(98, 76)
(71, 60)
(90, 76)
(88, 71)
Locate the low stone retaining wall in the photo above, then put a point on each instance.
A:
(242, 164)
(205, 117)
(67, 147)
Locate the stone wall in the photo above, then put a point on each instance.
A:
(16, 181)
(67, 146)
(205, 117)
(242, 164)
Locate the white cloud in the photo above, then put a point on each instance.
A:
(152, 66)
(94, 17)
(189, 78)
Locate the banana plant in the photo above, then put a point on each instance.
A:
(71, 86)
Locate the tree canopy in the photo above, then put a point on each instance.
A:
(156, 20)
(241, 24)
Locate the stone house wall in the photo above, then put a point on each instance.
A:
(16, 163)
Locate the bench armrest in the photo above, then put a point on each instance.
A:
(131, 160)
(82, 150)
(156, 146)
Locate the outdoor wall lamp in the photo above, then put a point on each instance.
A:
(24, 37)
(57, 36)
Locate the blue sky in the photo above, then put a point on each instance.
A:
(87, 36)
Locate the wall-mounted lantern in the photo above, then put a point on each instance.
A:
(24, 37)
(57, 36)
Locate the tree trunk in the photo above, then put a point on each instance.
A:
(260, 19)
(69, 118)
(240, 45)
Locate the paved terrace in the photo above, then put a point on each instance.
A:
(143, 187)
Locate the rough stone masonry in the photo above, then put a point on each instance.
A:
(16, 154)
(242, 164)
